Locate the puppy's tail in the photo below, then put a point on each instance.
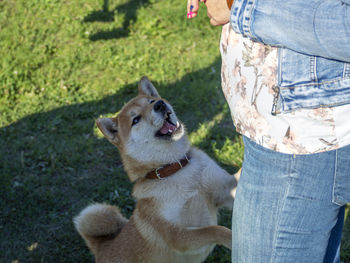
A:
(97, 223)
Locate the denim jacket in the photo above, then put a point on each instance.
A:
(314, 48)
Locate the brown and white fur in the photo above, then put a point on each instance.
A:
(175, 218)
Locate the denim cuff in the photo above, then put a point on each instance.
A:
(241, 17)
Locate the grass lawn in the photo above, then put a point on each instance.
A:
(65, 63)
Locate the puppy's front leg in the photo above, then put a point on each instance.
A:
(220, 185)
(176, 236)
(225, 191)
(184, 239)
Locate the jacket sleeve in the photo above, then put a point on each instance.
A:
(313, 27)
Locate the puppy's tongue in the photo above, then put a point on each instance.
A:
(167, 127)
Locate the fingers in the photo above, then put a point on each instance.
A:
(218, 12)
(192, 8)
(213, 22)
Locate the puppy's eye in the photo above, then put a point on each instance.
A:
(151, 101)
(136, 120)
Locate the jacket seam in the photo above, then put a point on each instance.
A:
(292, 109)
(313, 69)
(250, 17)
(346, 72)
(315, 83)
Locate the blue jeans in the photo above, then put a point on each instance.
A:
(290, 208)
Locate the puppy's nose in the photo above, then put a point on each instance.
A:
(159, 106)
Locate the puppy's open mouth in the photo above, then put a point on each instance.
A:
(169, 127)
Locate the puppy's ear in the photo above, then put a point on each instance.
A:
(108, 126)
(147, 88)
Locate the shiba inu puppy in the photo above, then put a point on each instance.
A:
(178, 190)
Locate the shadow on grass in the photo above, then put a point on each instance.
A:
(106, 14)
(52, 165)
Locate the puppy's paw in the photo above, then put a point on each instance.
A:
(225, 237)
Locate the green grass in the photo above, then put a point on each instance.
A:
(62, 65)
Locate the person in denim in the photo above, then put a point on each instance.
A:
(286, 77)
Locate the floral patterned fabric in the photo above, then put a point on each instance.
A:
(249, 75)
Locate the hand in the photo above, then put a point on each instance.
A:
(192, 13)
(217, 11)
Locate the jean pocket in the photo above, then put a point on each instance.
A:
(341, 186)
